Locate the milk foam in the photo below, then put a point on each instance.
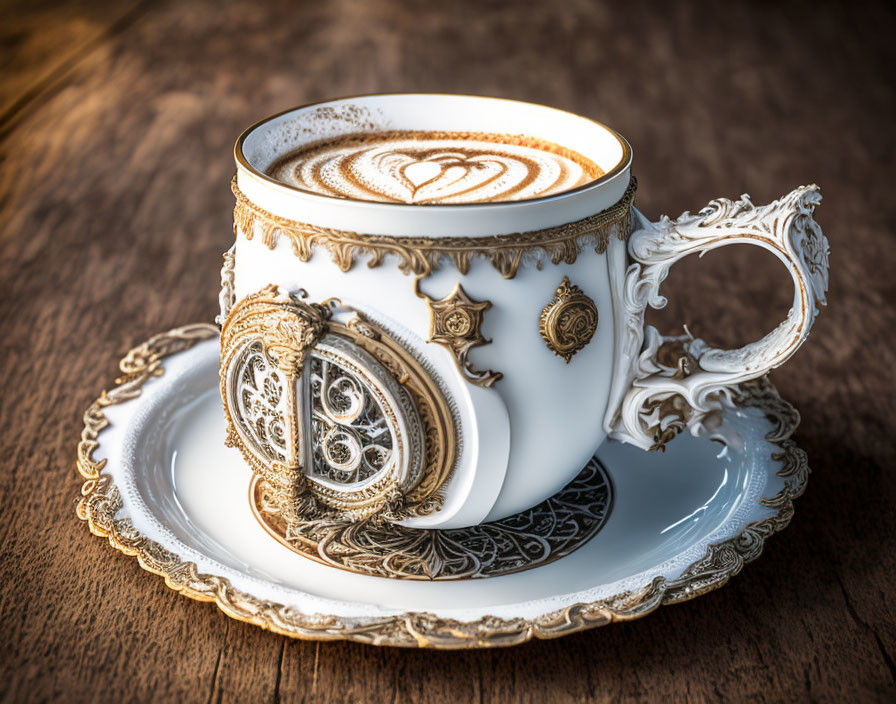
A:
(435, 167)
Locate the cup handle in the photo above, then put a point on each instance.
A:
(681, 382)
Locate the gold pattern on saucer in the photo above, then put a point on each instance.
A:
(422, 255)
(554, 528)
(569, 321)
(100, 506)
(455, 323)
(340, 419)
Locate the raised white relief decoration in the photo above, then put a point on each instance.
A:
(668, 395)
(227, 295)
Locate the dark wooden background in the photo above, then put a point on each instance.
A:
(117, 121)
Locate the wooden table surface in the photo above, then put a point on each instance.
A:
(117, 121)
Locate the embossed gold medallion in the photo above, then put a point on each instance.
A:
(340, 420)
(569, 321)
(455, 323)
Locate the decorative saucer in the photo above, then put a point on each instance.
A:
(160, 485)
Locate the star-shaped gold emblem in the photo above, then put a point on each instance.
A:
(455, 322)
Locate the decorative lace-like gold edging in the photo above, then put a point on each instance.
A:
(101, 502)
(422, 255)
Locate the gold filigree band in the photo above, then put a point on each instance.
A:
(422, 255)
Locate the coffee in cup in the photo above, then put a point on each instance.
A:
(433, 167)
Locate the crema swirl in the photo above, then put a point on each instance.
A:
(423, 167)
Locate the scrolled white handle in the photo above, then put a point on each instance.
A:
(678, 382)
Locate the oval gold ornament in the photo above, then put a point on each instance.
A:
(339, 418)
(569, 321)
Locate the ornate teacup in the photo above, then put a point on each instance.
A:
(440, 366)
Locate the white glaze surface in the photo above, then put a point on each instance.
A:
(185, 490)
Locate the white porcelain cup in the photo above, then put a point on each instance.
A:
(527, 434)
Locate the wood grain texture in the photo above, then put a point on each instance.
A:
(115, 207)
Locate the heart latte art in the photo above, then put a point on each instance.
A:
(435, 167)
